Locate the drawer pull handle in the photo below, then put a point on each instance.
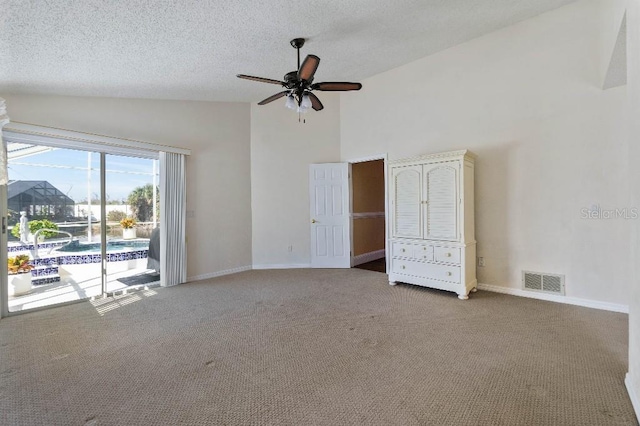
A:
(403, 250)
(424, 248)
(449, 274)
(403, 266)
(448, 254)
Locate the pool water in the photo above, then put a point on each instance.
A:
(78, 247)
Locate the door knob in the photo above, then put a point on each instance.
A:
(313, 221)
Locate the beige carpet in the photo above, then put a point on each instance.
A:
(313, 347)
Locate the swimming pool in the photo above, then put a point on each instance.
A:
(112, 246)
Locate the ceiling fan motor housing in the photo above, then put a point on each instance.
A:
(291, 77)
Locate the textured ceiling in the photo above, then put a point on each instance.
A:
(192, 50)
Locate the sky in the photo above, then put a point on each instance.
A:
(66, 169)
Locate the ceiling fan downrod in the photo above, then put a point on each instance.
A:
(297, 43)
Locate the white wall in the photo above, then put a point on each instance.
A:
(633, 78)
(82, 210)
(281, 151)
(528, 101)
(218, 172)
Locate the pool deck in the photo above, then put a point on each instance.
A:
(79, 274)
(74, 288)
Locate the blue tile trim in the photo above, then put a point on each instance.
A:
(28, 247)
(46, 269)
(82, 259)
(40, 271)
(45, 280)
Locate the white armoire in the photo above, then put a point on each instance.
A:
(432, 239)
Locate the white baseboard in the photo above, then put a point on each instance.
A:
(605, 306)
(632, 395)
(368, 257)
(283, 266)
(219, 273)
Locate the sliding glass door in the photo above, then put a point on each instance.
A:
(79, 225)
(54, 227)
(132, 213)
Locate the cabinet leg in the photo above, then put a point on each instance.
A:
(463, 296)
(392, 283)
(473, 290)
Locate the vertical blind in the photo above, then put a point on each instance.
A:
(173, 251)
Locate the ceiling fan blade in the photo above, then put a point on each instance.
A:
(315, 102)
(273, 97)
(336, 86)
(308, 67)
(260, 79)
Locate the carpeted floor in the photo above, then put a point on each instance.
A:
(313, 347)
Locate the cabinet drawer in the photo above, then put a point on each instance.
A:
(412, 251)
(447, 255)
(402, 250)
(426, 270)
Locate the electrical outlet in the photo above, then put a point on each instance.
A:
(481, 262)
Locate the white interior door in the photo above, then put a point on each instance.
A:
(330, 221)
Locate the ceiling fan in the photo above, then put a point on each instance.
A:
(299, 84)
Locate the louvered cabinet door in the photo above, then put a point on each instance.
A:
(406, 199)
(441, 199)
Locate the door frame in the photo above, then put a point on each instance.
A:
(385, 159)
(4, 239)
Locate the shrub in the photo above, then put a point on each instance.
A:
(116, 216)
(15, 231)
(34, 225)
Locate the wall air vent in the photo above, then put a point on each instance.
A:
(540, 281)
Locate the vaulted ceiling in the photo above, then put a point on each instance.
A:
(192, 50)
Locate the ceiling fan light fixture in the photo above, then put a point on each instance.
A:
(291, 102)
(305, 103)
